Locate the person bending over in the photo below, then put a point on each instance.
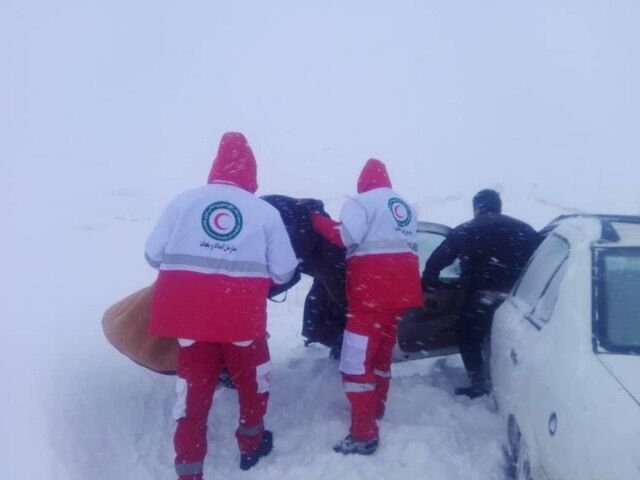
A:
(493, 249)
(378, 229)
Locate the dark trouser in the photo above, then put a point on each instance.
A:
(324, 320)
(474, 329)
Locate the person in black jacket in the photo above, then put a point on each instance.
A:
(493, 249)
(325, 312)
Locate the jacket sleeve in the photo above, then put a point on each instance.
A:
(282, 263)
(327, 228)
(159, 238)
(442, 257)
(353, 218)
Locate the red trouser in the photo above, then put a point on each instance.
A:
(199, 366)
(365, 364)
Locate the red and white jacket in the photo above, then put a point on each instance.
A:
(378, 229)
(218, 249)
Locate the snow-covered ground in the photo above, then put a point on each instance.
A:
(108, 109)
(123, 429)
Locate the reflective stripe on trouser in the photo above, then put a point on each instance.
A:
(366, 367)
(250, 431)
(199, 366)
(189, 469)
(351, 387)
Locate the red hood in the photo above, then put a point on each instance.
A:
(234, 163)
(374, 175)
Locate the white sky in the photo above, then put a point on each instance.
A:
(538, 95)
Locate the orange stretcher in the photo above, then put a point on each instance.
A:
(126, 326)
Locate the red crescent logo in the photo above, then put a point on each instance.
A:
(216, 221)
(400, 215)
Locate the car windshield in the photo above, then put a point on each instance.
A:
(617, 297)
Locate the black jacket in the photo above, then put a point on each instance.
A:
(318, 258)
(493, 249)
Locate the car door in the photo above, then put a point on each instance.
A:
(516, 321)
(431, 331)
(546, 380)
(524, 350)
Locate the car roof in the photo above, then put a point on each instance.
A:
(430, 227)
(604, 230)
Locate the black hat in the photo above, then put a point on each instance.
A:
(487, 201)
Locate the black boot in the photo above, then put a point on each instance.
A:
(348, 445)
(474, 391)
(226, 380)
(266, 444)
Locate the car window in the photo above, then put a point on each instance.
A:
(618, 299)
(427, 243)
(545, 263)
(547, 302)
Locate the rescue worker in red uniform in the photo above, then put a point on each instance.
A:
(219, 249)
(378, 229)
